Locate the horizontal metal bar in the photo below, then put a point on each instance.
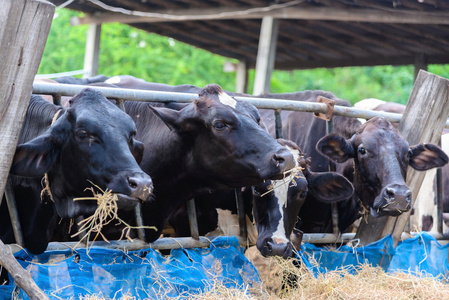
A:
(54, 75)
(136, 244)
(188, 242)
(156, 96)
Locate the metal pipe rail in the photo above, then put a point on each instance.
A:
(155, 96)
(189, 242)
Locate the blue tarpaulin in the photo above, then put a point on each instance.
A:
(147, 274)
(420, 255)
(143, 274)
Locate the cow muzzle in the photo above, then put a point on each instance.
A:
(280, 162)
(393, 200)
(138, 187)
(273, 247)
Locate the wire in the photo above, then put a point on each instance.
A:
(183, 18)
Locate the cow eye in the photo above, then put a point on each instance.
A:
(409, 153)
(362, 150)
(132, 135)
(256, 191)
(82, 135)
(303, 194)
(220, 125)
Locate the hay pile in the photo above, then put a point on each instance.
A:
(369, 283)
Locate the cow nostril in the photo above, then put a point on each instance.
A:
(132, 183)
(390, 193)
(279, 160)
(408, 198)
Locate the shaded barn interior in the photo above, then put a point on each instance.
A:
(312, 33)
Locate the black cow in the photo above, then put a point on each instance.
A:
(274, 203)
(212, 143)
(131, 82)
(91, 144)
(81, 81)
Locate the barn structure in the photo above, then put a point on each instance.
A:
(284, 34)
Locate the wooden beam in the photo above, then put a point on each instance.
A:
(402, 16)
(24, 29)
(422, 122)
(265, 55)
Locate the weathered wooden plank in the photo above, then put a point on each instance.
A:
(422, 122)
(265, 55)
(24, 29)
(278, 11)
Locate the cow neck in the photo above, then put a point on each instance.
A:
(45, 179)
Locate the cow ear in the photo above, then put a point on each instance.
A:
(426, 156)
(36, 157)
(137, 151)
(335, 147)
(177, 120)
(329, 187)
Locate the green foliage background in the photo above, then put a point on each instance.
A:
(126, 50)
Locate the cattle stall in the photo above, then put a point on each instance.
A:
(276, 104)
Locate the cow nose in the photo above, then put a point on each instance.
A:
(141, 186)
(398, 197)
(284, 160)
(279, 249)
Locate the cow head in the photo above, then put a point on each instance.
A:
(381, 156)
(276, 204)
(91, 145)
(225, 146)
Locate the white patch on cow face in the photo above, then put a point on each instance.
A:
(227, 100)
(281, 192)
(113, 80)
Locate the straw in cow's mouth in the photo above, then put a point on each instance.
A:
(106, 212)
(289, 175)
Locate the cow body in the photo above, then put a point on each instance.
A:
(91, 144)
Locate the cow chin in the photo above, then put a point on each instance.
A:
(380, 212)
(385, 209)
(126, 202)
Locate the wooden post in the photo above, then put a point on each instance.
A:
(24, 29)
(265, 55)
(241, 85)
(420, 64)
(422, 122)
(92, 52)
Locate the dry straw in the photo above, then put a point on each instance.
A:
(106, 212)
